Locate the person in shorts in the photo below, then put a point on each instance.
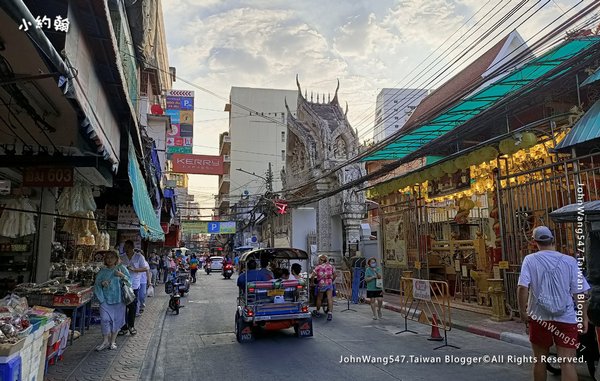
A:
(374, 293)
(325, 277)
(547, 328)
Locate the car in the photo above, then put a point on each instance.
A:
(216, 264)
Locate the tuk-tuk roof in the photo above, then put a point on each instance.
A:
(590, 210)
(277, 253)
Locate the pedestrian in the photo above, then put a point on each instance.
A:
(162, 268)
(548, 283)
(236, 263)
(107, 289)
(325, 276)
(154, 265)
(373, 278)
(194, 262)
(144, 284)
(136, 264)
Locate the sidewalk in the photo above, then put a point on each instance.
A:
(480, 324)
(82, 362)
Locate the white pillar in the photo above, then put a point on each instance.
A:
(45, 234)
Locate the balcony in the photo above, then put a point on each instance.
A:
(224, 184)
(225, 148)
(224, 201)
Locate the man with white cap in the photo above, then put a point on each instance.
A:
(548, 283)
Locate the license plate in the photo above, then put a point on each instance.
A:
(275, 292)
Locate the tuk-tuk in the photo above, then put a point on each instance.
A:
(274, 304)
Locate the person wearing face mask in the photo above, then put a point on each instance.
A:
(325, 275)
(374, 293)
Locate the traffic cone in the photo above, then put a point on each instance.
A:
(435, 331)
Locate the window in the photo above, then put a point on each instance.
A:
(395, 101)
(282, 155)
(283, 136)
(395, 125)
(396, 117)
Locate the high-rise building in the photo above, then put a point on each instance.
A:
(256, 140)
(393, 108)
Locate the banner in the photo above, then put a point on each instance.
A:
(180, 107)
(197, 164)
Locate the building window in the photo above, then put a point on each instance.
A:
(395, 125)
(283, 136)
(282, 155)
(395, 101)
(396, 117)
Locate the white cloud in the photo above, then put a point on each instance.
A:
(367, 44)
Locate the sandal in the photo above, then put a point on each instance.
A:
(316, 313)
(329, 316)
(102, 347)
(113, 346)
(132, 331)
(122, 332)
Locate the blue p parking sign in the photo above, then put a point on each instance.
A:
(213, 227)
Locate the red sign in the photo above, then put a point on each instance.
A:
(48, 177)
(197, 164)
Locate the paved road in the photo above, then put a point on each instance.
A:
(199, 344)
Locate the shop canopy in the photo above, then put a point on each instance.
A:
(150, 228)
(587, 128)
(477, 103)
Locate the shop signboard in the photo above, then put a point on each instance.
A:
(209, 227)
(48, 177)
(180, 108)
(197, 164)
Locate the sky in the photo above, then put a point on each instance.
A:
(368, 45)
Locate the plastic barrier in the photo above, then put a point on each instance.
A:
(426, 302)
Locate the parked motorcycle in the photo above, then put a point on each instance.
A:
(172, 288)
(227, 271)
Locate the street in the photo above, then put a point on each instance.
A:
(199, 344)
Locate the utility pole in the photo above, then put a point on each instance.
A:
(271, 196)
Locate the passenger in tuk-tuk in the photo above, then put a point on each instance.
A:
(264, 269)
(296, 270)
(251, 275)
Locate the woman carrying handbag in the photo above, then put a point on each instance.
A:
(374, 281)
(109, 290)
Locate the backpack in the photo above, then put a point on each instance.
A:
(551, 297)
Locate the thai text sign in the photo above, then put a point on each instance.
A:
(209, 227)
(48, 177)
(180, 108)
(198, 164)
(421, 289)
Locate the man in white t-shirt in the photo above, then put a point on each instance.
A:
(136, 264)
(546, 328)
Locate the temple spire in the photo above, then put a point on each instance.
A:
(335, 96)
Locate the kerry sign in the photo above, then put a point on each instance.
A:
(197, 164)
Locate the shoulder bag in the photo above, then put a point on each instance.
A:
(127, 292)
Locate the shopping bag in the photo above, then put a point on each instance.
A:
(127, 293)
(150, 292)
(379, 283)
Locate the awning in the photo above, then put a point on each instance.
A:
(587, 128)
(592, 78)
(475, 104)
(150, 228)
(586, 211)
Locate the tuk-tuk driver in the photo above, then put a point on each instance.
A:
(251, 275)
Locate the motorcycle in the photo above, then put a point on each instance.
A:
(207, 268)
(227, 271)
(172, 287)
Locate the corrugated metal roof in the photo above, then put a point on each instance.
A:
(475, 104)
(586, 129)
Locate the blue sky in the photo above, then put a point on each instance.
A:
(366, 44)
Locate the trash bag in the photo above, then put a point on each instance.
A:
(150, 292)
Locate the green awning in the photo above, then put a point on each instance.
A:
(587, 128)
(150, 228)
(477, 103)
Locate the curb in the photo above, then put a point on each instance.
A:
(509, 337)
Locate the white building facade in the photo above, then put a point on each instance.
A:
(393, 108)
